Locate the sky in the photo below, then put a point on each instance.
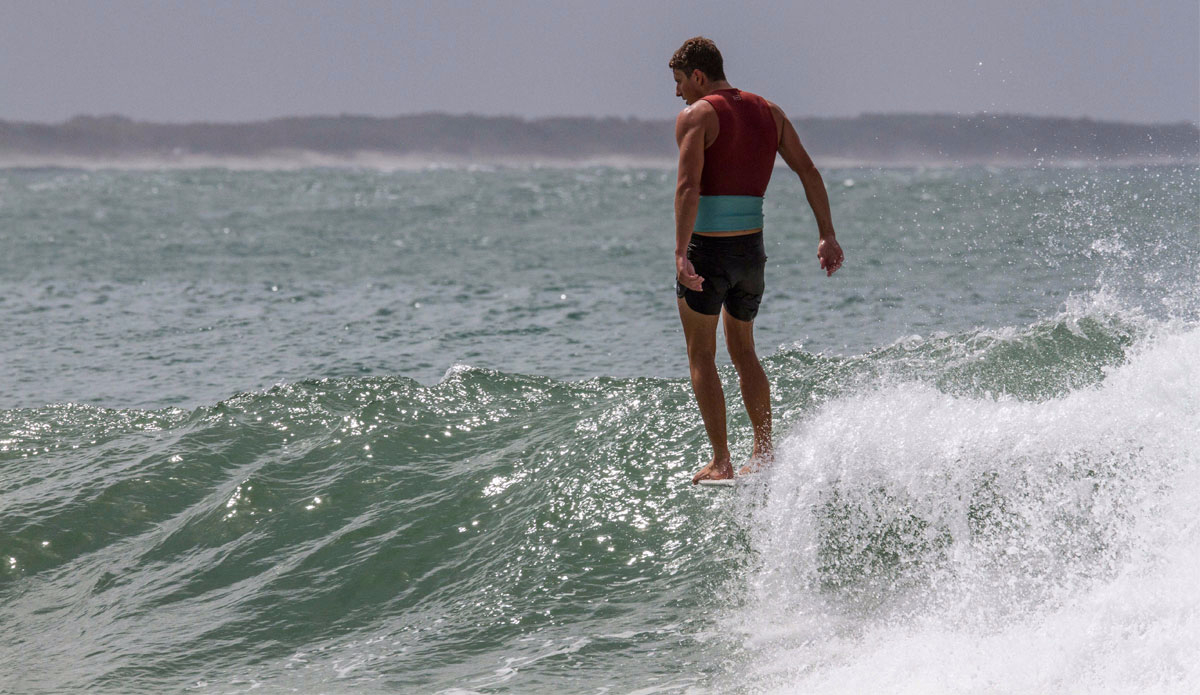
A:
(212, 60)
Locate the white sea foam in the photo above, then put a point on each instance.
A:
(915, 542)
(295, 160)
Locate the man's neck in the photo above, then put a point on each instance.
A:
(716, 86)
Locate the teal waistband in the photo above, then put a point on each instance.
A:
(729, 213)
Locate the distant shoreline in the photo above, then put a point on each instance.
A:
(431, 140)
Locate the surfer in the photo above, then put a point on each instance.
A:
(727, 141)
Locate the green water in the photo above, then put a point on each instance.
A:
(356, 431)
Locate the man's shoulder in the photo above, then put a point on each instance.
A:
(776, 112)
(699, 107)
(696, 113)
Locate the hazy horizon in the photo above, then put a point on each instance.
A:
(226, 62)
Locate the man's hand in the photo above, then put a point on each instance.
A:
(829, 253)
(685, 273)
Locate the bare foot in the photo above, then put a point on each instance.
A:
(716, 470)
(756, 463)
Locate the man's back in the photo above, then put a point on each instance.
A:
(740, 160)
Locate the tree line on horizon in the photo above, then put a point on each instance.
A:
(869, 137)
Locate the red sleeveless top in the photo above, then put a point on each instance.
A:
(740, 160)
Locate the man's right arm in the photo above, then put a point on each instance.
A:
(829, 252)
(689, 135)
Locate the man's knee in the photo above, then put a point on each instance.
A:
(742, 354)
(739, 340)
(701, 350)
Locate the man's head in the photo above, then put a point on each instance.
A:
(701, 54)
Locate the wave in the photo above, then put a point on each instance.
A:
(956, 542)
(933, 497)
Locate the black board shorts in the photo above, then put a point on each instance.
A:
(732, 268)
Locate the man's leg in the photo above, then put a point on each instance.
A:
(756, 390)
(700, 331)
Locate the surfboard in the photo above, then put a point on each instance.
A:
(727, 482)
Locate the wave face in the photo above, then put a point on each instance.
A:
(948, 514)
(483, 486)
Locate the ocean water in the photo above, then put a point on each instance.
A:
(430, 431)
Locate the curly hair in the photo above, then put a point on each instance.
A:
(699, 53)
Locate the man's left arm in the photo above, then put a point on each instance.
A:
(829, 252)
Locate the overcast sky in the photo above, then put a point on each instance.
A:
(197, 60)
